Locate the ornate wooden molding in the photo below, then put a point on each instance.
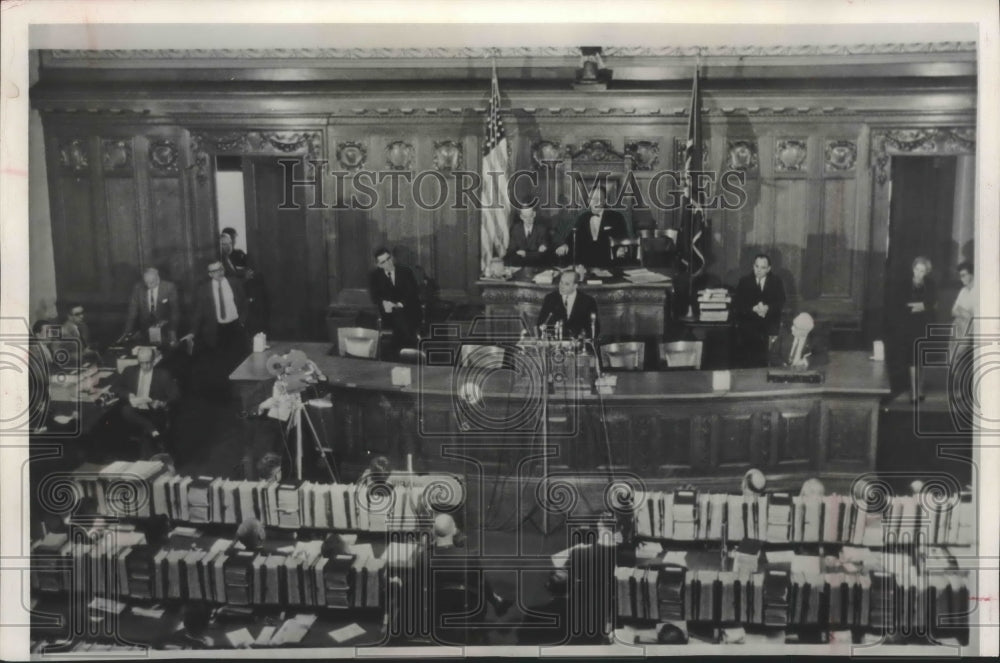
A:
(790, 155)
(743, 155)
(249, 142)
(642, 154)
(447, 155)
(929, 140)
(116, 156)
(73, 155)
(549, 153)
(511, 52)
(840, 155)
(399, 155)
(351, 155)
(163, 157)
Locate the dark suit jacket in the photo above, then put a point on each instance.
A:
(236, 264)
(204, 323)
(748, 294)
(405, 291)
(168, 308)
(578, 319)
(162, 387)
(518, 242)
(591, 253)
(816, 346)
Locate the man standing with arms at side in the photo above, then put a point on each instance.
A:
(154, 305)
(595, 228)
(576, 310)
(217, 325)
(759, 299)
(395, 293)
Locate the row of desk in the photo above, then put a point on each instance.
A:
(651, 423)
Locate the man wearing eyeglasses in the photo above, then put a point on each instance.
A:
(217, 324)
(76, 336)
(395, 293)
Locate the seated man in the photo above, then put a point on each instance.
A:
(146, 392)
(577, 311)
(395, 293)
(76, 339)
(529, 241)
(799, 346)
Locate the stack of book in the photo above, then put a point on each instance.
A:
(714, 305)
(778, 517)
(145, 488)
(779, 598)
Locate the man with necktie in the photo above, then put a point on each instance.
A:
(395, 293)
(217, 324)
(799, 346)
(146, 391)
(529, 240)
(595, 228)
(154, 309)
(576, 310)
(759, 299)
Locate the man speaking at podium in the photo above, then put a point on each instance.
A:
(590, 242)
(576, 310)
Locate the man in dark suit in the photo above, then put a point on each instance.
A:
(529, 241)
(799, 346)
(590, 245)
(76, 339)
(217, 324)
(146, 391)
(759, 299)
(154, 305)
(395, 293)
(576, 310)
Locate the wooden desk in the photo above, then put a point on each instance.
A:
(656, 421)
(625, 309)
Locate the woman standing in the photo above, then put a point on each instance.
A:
(963, 312)
(914, 309)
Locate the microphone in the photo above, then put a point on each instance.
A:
(541, 327)
(593, 326)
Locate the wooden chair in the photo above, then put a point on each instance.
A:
(629, 356)
(681, 354)
(358, 342)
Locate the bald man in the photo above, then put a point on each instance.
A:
(154, 305)
(800, 345)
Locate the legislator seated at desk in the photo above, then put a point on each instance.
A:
(799, 345)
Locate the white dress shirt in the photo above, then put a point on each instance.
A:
(227, 294)
(142, 389)
(568, 301)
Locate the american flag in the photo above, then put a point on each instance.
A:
(496, 205)
(692, 214)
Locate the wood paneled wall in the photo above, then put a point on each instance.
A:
(127, 192)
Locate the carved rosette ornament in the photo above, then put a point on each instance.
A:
(163, 157)
(935, 140)
(351, 156)
(790, 155)
(548, 154)
(73, 155)
(260, 142)
(642, 154)
(597, 149)
(116, 155)
(399, 155)
(743, 155)
(447, 155)
(840, 156)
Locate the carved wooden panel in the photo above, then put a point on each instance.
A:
(794, 437)
(849, 433)
(164, 158)
(840, 240)
(839, 156)
(734, 438)
(790, 155)
(672, 445)
(116, 157)
(121, 209)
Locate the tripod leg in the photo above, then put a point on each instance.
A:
(319, 447)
